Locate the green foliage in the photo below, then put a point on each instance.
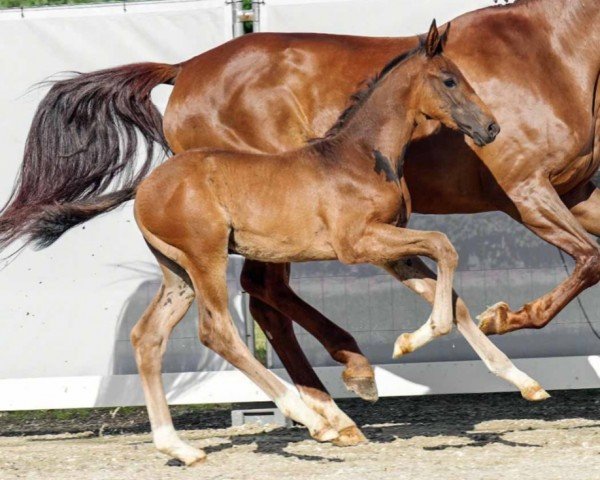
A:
(260, 344)
(83, 414)
(41, 3)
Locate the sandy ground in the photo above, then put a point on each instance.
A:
(462, 437)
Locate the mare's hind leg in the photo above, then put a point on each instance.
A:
(207, 270)
(280, 332)
(269, 283)
(149, 338)
(417, 276)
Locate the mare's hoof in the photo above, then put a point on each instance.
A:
(364, 387)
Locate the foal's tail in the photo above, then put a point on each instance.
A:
(80, 155)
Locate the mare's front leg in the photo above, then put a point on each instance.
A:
(543, 212)
(382, 244)
(417, 276)
(584, 204)
(269, 283)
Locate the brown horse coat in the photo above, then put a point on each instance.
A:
(340, 197)
(535, 63)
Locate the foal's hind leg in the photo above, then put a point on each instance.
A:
(269, 282)
(208, 273)
(413, 273)
(149, 338)
(281, 334)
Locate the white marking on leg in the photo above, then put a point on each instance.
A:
(292, 406)
(496, 361)
(329, 409)
(166, 441)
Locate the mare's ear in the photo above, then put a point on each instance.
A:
(433, 43)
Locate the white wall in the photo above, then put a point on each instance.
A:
(381, 18)
(67, 310)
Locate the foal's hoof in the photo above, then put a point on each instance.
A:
(493, 320)
(364, 387)
(350, 436)
(535, 393)
(175, 462)
(193, 457)
(327, 434)
(188, 456)
(403, 345)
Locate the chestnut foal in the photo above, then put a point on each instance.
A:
(341, 197)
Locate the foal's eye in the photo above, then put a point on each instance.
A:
(450, 82)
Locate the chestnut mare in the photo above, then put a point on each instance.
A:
(340, 197)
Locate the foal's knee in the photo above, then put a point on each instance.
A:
(439, 330)
(444, 250)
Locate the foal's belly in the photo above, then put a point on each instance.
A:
(277, 246)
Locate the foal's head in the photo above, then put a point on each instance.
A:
(443, 93)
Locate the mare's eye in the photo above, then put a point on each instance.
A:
(450, 82)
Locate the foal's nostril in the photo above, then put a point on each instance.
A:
(493, 130)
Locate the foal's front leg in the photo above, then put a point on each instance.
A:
(417, 276)
(381, 244)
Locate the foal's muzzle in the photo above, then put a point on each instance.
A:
(481, 135)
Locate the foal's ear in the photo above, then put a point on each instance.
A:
(434, 43)
(445, 36)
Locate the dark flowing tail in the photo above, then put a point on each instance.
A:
(80, 155)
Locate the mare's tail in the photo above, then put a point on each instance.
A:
(80, 155)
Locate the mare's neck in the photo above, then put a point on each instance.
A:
(574, 27)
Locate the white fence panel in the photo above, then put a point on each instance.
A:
(67, 311)
(376, 18)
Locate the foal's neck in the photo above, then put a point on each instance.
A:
(384, 123)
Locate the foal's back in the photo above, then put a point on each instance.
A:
(280, 200)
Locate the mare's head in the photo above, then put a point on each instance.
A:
(443, 93)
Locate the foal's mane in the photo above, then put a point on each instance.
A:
(358, 98)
